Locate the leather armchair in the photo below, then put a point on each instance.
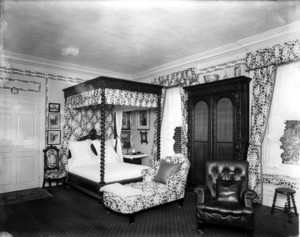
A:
(225, 198)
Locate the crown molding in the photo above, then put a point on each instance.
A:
(266, 39)
(41, 62)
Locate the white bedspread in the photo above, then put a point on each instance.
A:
(113, 171)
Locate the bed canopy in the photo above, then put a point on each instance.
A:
(90, 105)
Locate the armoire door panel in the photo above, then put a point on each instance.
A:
(224, 121)
(200, 156)
(201, 121)
(224, 151)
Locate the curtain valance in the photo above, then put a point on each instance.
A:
(113, 97)
(275, 55)
(183, 78)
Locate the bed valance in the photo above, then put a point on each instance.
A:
(113, 97)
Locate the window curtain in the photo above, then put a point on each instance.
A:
(119, 116)
(172, 118)
(264, 63)
(184, 129)
(153, 158)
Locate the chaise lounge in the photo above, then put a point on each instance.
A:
(162, 184)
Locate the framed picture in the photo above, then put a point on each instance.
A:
(126, 139)
(126, 121)
(143, 120)
(53, 137)
(54, 107)
(53, 121)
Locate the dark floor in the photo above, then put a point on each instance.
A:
(72, 213)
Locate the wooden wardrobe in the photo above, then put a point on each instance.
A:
(218, 122)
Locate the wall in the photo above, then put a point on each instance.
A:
(136, 137)
(45, 81)
(222, 63)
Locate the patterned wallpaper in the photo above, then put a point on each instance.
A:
(194, 75)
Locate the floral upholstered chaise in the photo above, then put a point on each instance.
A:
(164, 183)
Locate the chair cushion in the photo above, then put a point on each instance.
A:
(55, 174)
(165, 170)
(228, 191)
(154, 194)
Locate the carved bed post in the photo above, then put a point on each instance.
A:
(102, 135)
(158, 126)
(115, 131)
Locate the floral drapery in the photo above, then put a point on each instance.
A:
(153, 158)
(264, 64)
(184, 129)
(114, 97)
(276, 55)
(184, 78)
(263, 84)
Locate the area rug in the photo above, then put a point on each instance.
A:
(23, 196)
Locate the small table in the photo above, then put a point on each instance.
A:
(134, 159)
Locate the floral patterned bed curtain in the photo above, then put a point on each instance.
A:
(264, 64)
(79, 122)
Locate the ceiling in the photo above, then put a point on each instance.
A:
(134, 36)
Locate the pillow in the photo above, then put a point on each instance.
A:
(165, 170)
(82, 153)
(228, 191)
(110, 154)
(96, 145)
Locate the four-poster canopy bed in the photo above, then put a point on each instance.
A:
(93, 110)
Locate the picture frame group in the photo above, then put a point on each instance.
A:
(54, 120)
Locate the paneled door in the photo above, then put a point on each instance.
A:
(20, 143)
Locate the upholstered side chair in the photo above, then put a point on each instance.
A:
(225, 198)
(53, 169)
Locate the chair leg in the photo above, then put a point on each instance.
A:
(274, 201)
(294, 204)
(250, 233)
(200, 227)
(131, 219)
(44, 183)
(180, 202)
(289, 209)
(64, 182)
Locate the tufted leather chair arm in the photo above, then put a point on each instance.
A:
(248, 196)
(203, 193)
